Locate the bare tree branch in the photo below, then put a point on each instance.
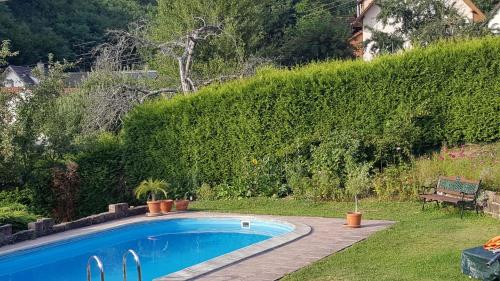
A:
(148, 93)
(110, 94)
(181, 49)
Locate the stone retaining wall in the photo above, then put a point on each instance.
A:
(492, 205)
(46, 226)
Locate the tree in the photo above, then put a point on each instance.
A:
(420, 22)
(107, 96)
(34, 135)
(284, 31)
(235, 28)
(7, 119)
(317, 35)
(198, 42)
(486, 5)
(5, 52)
(182, 50)
(7, 116)
(108, 93)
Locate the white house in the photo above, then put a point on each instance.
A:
(366, 19)
(18, 77)
(494, 23)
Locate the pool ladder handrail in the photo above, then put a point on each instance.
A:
(99, 265)
(137, 264)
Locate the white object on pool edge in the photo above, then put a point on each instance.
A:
(245, 224)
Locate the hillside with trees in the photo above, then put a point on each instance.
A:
(288, 31)
(67, 29)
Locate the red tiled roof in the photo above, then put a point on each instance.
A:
(12, 90)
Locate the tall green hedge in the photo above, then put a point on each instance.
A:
(449, 92)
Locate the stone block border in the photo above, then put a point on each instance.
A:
(492, 204)
(46, 226)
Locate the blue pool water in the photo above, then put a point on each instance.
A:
(163, 247)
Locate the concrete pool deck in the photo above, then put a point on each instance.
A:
(313, 239)
(327, 237)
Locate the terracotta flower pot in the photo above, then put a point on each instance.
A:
(354, 219)
(181, 205)
(166, 206)
(154, 207)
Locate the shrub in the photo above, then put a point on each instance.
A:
(20, 196)
(396, 182)
(322, 173)
(206, 192)
(259, 177)
(66, 188)
(17, 215)
(413, 101)
(40, 184)
(102, 178)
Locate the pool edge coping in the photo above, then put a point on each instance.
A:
(190, 273)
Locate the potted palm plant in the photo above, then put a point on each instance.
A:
(152, 188)
(358, 182)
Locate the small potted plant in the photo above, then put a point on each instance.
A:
(182, 204)
(166, 205)
(152, 188)
(358, 182)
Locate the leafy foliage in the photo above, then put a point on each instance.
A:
(407, 180)
(151, 188)
(396, 182)
(19, 196)
(17, 215)
(102, 175)
(286, 31)
(393, 107)
(469, 161)
(318, 31)
(66, 187)
(5, 52)
(29, 132)
(486, 5)
(421, 22)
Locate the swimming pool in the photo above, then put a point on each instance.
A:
(163, 246)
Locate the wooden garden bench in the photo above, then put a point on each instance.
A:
(455, 190)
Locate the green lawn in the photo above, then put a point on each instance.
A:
(421, 246)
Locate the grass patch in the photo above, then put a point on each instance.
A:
(421, 246)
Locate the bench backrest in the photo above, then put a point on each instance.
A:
(458, 186)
